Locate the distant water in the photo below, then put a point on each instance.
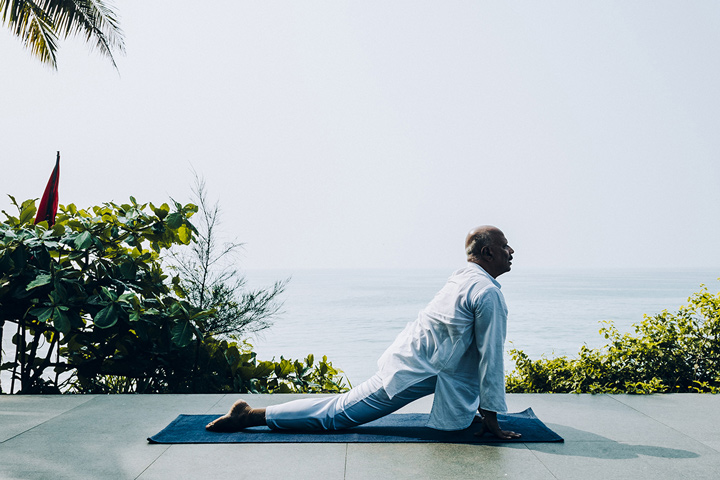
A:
(353, 315)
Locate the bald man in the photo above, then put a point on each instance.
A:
(454, 349)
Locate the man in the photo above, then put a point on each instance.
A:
(454, 349)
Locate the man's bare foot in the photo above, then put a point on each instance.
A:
(240, 416)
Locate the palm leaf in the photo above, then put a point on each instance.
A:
(41, 40)
(33, 26)
(92, 18)
(39, 23)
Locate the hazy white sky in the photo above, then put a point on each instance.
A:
(376, 134)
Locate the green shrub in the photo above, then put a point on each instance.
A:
(94, 310)
(668, 352)
(225, 367)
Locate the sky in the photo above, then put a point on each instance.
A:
(375, 134)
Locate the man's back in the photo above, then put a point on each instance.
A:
(441, 341)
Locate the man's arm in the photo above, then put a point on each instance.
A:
(490, 425)
(490, 325)
(490, 318)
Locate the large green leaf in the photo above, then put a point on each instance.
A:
(232, 355)
(182, 333)
(264, 369)
(161, 211)
(246, 373)
(28, 211)
(283, 388)
(61, 321)
(128, 270)
(174, 220)
(283, 368)
(83, 241)
(109, 294)
(41, 313)
(184, 234)
(107, 317)
(39, 281)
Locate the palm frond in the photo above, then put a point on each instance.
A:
(12, 10)
(93, 18)
(16, 14)
(33, 26)
(41, 39)
(39, 24)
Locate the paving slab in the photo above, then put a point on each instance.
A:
(443, 461)
(625, 436)
(102, 437)
(618, 460)
(249, 461)
(607, 436)
(694, 415)
(20, 413)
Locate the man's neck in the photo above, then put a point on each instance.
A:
(482, 265)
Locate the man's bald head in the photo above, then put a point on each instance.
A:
(487, 246)
(479, 237)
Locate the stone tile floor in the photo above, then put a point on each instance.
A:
(606, 436)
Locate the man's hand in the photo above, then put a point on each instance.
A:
(489, 424)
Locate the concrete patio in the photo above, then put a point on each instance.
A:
(606, 436)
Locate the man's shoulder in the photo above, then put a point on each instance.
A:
(474, 274)
(475, 282)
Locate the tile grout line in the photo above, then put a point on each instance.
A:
(51, 418)
(643, 413)
(153, 462)
(661, 422)
(209, 409)
(216, 403)
(534, 454)
(540, 460)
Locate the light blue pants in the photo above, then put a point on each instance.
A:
(364, 403)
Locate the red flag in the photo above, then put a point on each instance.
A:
(49, 201)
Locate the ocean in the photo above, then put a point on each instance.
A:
(353, 315)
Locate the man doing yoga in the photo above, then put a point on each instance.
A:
(454, 349)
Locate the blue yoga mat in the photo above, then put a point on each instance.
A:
(394, 428)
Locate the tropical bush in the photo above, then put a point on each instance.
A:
(95, 311)
(225, 367)
(668, 352)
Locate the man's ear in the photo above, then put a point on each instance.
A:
(486, 252)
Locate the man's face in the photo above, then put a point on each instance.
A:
(502, 253)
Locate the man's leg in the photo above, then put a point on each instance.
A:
(364, 403)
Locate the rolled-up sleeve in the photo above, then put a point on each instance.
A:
(490, 331)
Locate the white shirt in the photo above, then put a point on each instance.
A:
(459, 337)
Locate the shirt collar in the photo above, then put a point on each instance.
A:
(482, 270)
